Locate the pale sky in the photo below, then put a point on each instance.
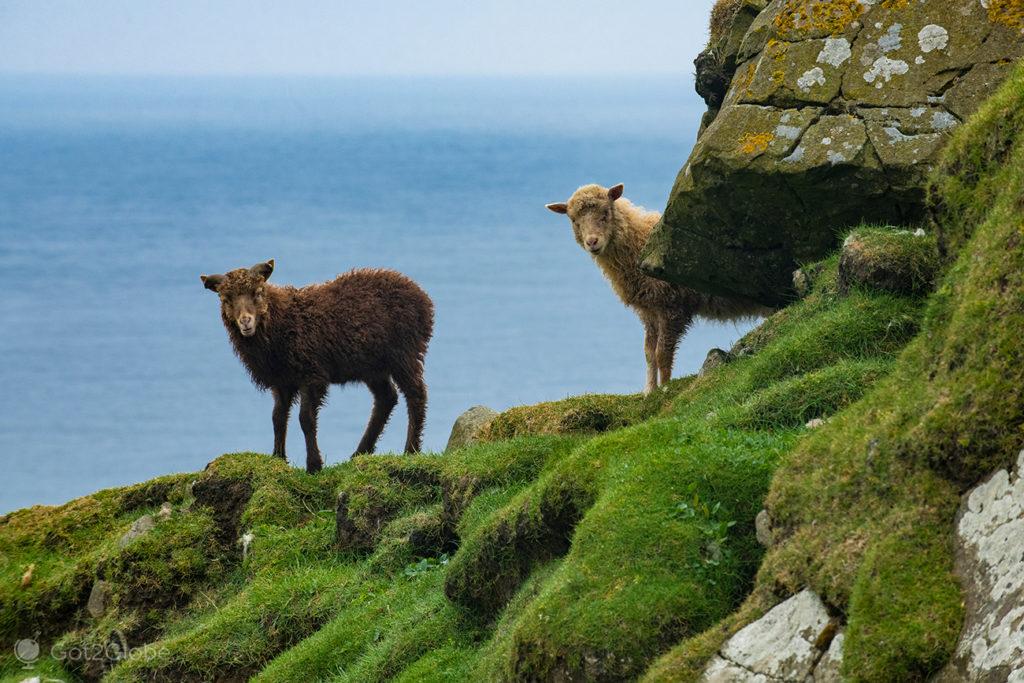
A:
(351, 37)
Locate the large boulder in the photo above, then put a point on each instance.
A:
(834, 114)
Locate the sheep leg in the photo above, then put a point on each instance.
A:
(312, 398)
(411, 383)
(283, 400)
(650, 352)
(672, 330)
(385, 398)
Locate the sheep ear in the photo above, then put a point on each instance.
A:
(559, 208)
(212, 282)
(616, 192)
(263, 269)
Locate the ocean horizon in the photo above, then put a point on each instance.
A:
(116, 193)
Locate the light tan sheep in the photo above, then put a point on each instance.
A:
(614, 232)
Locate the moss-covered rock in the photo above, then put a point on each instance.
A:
(897, 261)
(834, 115)
(469, 425)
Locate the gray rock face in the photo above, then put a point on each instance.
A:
(763, 528)
(792, 642)
(468, 426)
(828, 669)
(834, 114)
(99, 596)
(990, 539)
(716, 358)
(139, 527)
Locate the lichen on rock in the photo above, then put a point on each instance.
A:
(990, 539)
(878, 88)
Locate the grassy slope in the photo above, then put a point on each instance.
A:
(575, 552)
(867, 503)
(599, 537)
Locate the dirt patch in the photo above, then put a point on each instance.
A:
(227, 498)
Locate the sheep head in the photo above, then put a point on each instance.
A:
(592, 212)
(242, 292)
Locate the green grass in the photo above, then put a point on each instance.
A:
(600, 533)
(579, 547)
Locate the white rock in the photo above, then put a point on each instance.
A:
(722, 671)
(781, 645)
(990, 535)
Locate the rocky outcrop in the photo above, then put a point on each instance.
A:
(140, 527)
(468, 427)
(795, 641)
(715, 359)
(990, 539)
(834, 114)
(99, 599)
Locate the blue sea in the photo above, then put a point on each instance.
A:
(117, 193)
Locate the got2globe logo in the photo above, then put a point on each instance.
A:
(27, 650)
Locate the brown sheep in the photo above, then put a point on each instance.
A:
(614, 232)
(369, 326)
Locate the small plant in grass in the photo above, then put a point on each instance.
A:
(712, 524)
(425, 565)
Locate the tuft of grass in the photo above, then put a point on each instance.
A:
(976, 168)
(584, 415)
(817, 394)
(905, 608)
(889, 259)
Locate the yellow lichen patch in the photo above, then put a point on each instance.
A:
(776, 49)
(755, 143)
(746, 79)
(826, 16)
(895, 4)
(1007, 12)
